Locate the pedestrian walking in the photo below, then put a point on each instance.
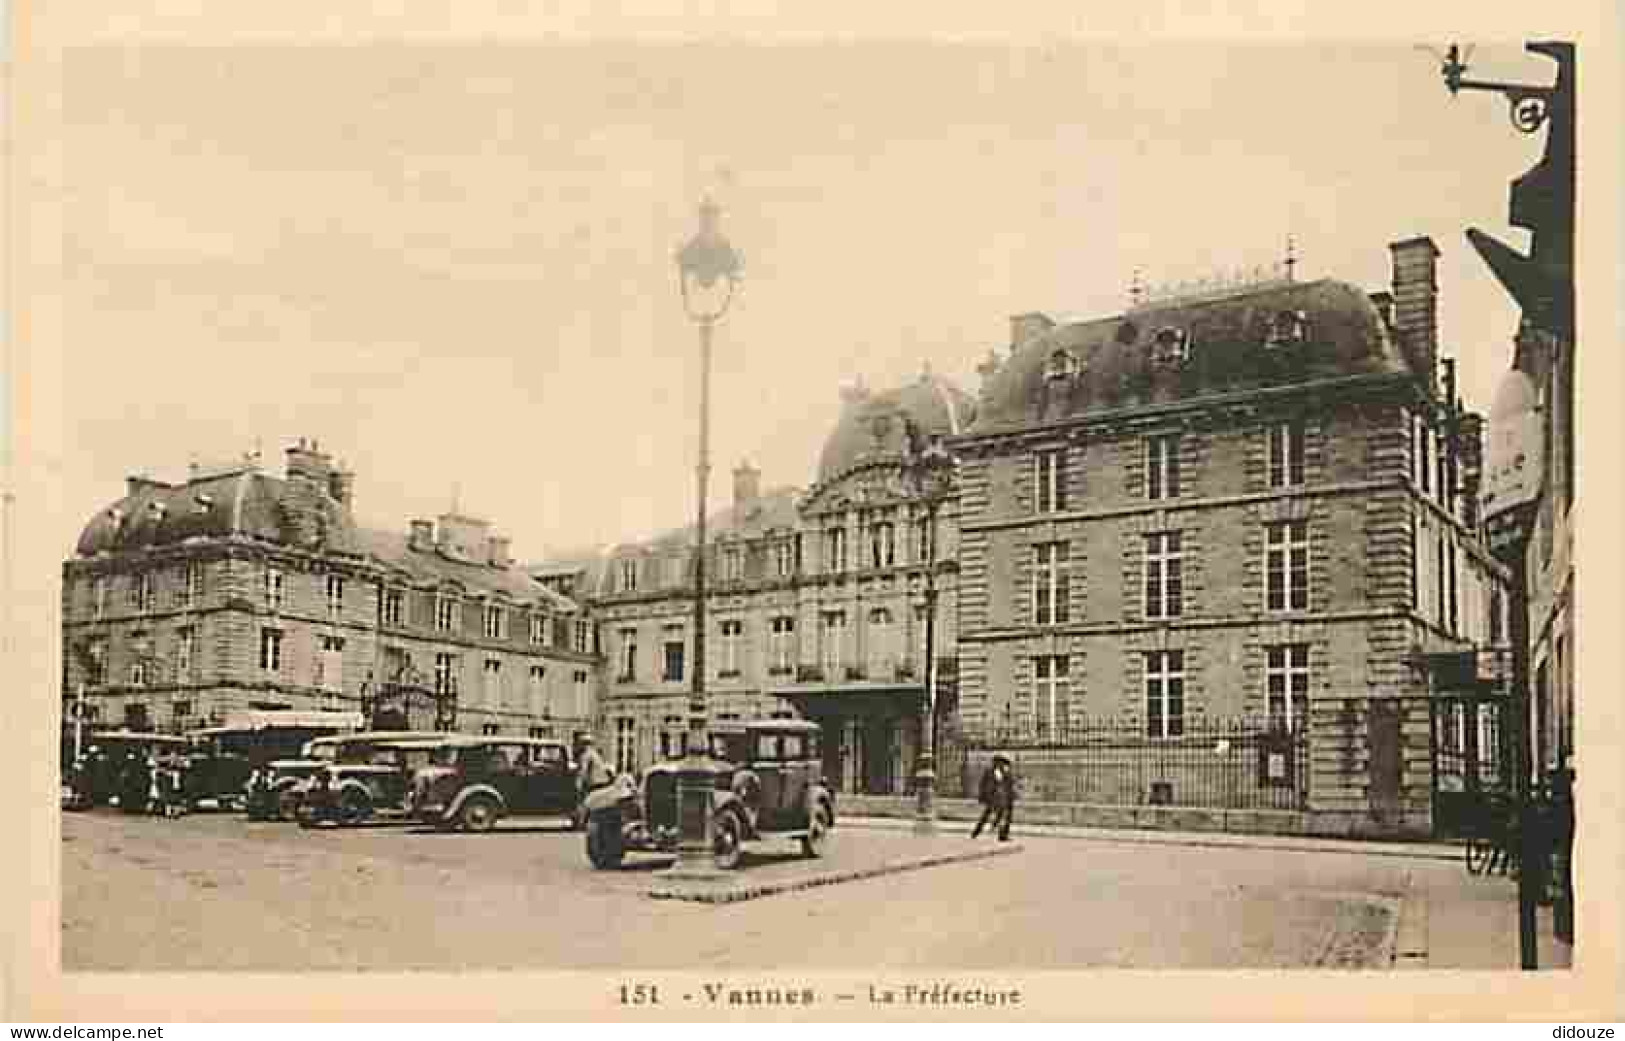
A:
(996, 794)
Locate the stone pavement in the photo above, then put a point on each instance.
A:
(1445, 917)
(1219, 840)
(845, 862)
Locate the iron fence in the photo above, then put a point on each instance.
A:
(1240, 764)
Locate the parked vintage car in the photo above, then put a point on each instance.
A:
(769, 784)
(474, 782)
(112, 769)
(274, 790)
(225, 760)
(347, 793)
(291, 778)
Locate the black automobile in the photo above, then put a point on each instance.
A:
(768, 784)
(472, 783)
(379, 787)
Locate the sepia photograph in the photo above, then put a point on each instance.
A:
(854, 521)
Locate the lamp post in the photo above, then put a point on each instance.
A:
(929, 471)
(1542, 283)
(708, 273)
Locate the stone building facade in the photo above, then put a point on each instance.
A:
(815, 607)
(236, 589)
(1257, 504)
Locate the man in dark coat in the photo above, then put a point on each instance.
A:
(997, 795)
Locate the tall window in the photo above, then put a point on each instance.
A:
(496, 623)
(583, 636)
(1286, 566)
(1162, 467)
(882, 544)
(922, 538)
(1164, 693)
(271, 651)
(1286, 681)
(190, 590)
(330, 664)
(1424, 452)
(394, 602)
(834, 550)
(1051, 690)
(1164, 575)
(629, 576)
(273, 588)
(537, 693)
(1451, 586)
(834, 638)
(732, 632)
(1052, 585)
(538, 628)
(629, 655)
(185, 641)
(142, 600)
(675, 648)
(881, 639)
(96, 662)
(1495, 616)
(445, 673)
(1283, 443)
(626, 745)
(98, 596)
(1439, 579)
(782, 644)
(784, 558)
(138, 673)
(445, 613)
(1050, 493)
(733, 564)
(491, 679)
(578, 693)
(335, 596)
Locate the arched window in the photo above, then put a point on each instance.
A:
(1062, 365)
(1170, 347)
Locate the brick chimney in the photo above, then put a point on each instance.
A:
(1416, 305)
(1024, 327)
(499, 554)
(307, 462)
(747, 486)
(341, 486)
(421, 536)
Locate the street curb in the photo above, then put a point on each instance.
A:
(734, 893)
(1210, 840)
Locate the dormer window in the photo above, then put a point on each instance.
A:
(1062, 365)
(202, 503)
(1287, 328)
(157, 510)
(1170, 347)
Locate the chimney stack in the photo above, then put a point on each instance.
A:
(307, 462)
(1416, 305)
(421, 538)
(341, 486)
(747, 486)
(499, 555)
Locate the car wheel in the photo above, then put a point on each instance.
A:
(604, 846)
(816, 841)
(353, 808)
(287, 805)
(727, 841)
(478, 814)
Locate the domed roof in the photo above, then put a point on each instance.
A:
(242, 501)
(871, 426)
(1282, 333)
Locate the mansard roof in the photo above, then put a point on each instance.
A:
(1273, 335)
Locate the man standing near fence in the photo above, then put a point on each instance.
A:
(998, 797)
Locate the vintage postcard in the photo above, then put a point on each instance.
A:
(669, 519)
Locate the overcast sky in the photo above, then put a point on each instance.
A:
(452, 264)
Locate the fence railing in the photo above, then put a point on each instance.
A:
(1211, 763)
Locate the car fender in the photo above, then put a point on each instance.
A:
(470, 792)
(730, 802)
(351, 785)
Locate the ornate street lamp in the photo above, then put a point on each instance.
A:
(929, 471)
(708, 273)
(1542, 283)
